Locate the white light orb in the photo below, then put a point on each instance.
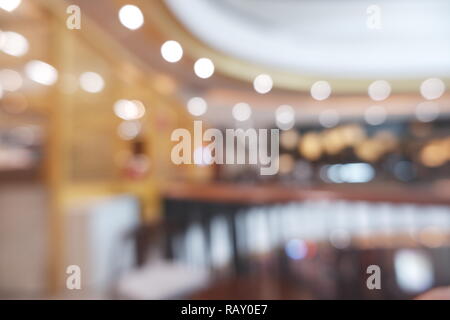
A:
(171, 51)
(242, 111)
(10, 5)
(285, 117)
(14, 44)
(320, 90)
(263, 83)
(432, 89)
(91, 82)
(379, 90)
(131, 17)
(375, 115)
(197, 106)
(129, 109)
(204, 68)
(41, 72)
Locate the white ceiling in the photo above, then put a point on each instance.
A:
(327, 38)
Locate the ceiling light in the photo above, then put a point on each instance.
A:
(285, 117)
(432, 88)
(171, 51)
(92, 82)
(131, 17)
(242, 111)
(41, 72)
(14, 44)
(321, 90)
(129, 110)
(9, 5)
(379, 90)
(263, 83)
(204, 68)
(197, 106)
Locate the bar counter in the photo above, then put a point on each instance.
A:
(272, 194)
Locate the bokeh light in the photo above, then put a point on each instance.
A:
(204, 68)
(171, 51)
(263, 83)
(131, 17)
(41, 72)
(129, 109)
(197, 106)
(321, 90)
(242, 111)
(92, 82)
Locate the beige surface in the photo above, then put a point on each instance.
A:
(23, 237)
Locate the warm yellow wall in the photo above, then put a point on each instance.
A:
(83, 152)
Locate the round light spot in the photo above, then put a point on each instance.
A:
(10, 80)
(379, 90)
(321, 90)
(242, 111)
(129, 130)
(129, 110)
(92, 82)
(171, 51)
(14, 44)
(427, 111)
(329, 118)
(432, 89)
(10, 5)
(434, 155)
(263, 83)
(204, 68)
(375, 115)
(41, 72)
(285, 117)
(131, 17)
(197, 106)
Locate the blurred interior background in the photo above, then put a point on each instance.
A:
(358, 89)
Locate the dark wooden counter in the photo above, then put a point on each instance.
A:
(271, 194)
